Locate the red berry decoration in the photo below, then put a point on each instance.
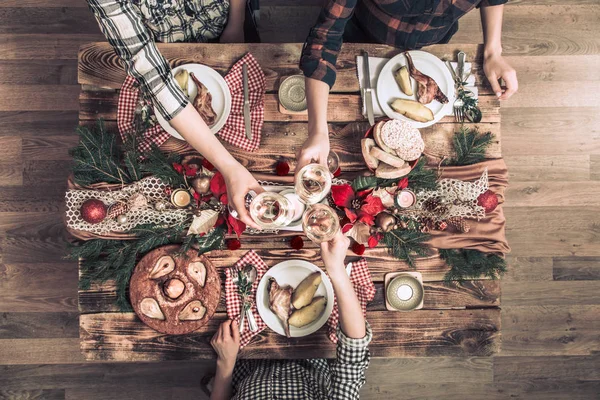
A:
(93, 211)
(358, 248)
(233, 244)
(488, 200)
(297, 242)
(282, 168)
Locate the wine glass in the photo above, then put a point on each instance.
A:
(320, 223)
(313, 183)
(271, 210)
(333, 162)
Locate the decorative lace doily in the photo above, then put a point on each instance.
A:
(459, 196)
(152, 188)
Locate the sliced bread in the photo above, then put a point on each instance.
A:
(379, 139)
(387, 158)
(386, 171)
(367, 145)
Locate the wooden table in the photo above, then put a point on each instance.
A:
(457, 319)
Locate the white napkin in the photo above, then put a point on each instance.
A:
(375, 66)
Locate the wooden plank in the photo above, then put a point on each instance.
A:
(26, 250)
(101, 297)
(36, 351)
(528, 269)
(595, 167)
(28, 325)
(27, 199)
(550, 330)
(38, 123)
(48, 147)
(32, 225)
(39, 97)
(561, 368)
(45, 394)
(47, 20)
(556, 94)
(43, 3)
(136, 392)
(43, 47)
(100, 66)
(553, 194)
(547, 168)
(11, 149)
(576, 268)
(542, 293)
(11, 174)
(49, 72)
(44, 173)
(431, 333)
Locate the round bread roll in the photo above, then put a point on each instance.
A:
(403, 138)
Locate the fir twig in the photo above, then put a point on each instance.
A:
(470, 146)
(406, 244)
(419, 178)
(159, 164)
(472, 264)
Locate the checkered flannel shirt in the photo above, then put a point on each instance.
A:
(306, 379)
(133, 26)
(406, 24)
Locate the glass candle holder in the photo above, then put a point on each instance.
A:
(271, 210)
(320, 223)
(313, 183)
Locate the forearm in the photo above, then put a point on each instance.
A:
(491, 23)
(352, 320)
(194, 130)
(237, 13)
(317, 98)
(222, 383)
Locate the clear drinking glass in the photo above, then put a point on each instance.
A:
(320, 223)
(333, 162)
(313, 183)
(271, 210)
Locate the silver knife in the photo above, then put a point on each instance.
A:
(367, 88)
(460, 71)
(247, 123)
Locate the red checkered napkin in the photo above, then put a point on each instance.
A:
(234, 132)
(232, 298)
(365, 291)
(129, 98)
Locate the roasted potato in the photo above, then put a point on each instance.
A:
(403, 80)
(308, 314)
(412, 109)
(306, 290)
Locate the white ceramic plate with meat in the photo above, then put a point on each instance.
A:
(292, 272)
(428, 64)
(218, 88)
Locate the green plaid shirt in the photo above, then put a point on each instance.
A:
(133, 26)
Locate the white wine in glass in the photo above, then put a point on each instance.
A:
(271, 210)
(320, 223)
(333, 162)
(313, 183)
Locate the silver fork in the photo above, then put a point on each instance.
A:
(459, 112)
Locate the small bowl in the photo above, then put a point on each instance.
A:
(292, 93)
(404, 293)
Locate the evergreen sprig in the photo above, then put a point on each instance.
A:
(472, 264)
(419, 178)
(406, 244)
(470, 146)
(160, 165)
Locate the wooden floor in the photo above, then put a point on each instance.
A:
(551, 141)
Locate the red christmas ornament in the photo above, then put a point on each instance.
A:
(282, 168)
(297, 242)
(358, 248)
(403, 183)
(488, 200)
(93, 211)
(233, 244)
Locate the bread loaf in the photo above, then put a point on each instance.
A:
(367, 145)
(386, 171)
(387, 158)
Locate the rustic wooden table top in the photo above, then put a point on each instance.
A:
(459, 319)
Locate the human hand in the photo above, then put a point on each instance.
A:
(333, 253)
(315, 149)
(495, 67)
(239, 182)
(232, 34)
(226, 342)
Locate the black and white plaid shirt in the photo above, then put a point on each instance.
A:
(306, 379)
(133, 26)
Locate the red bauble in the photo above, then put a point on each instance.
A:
(488, 200)
(297, 242)
(93, 211)
(358, 248)
(282, 168)
(233, 244)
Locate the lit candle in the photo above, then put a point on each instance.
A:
(404, 292)
(406, 198)
(180, 198)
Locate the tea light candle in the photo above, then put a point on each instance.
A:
(406, 198)
(180, 198)
(404, 292)
(299, 207)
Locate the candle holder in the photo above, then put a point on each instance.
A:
(404, 291)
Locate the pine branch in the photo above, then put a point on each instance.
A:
(405, 245)
(160, 165)
(470, 146)
(419, 178)
(472, 264)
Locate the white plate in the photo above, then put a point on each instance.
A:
(216, 85)
(292, 272)
(388, 90)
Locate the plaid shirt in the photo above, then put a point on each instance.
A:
(306, 379)
(406, 24)
(133, 26)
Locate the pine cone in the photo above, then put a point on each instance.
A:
(116, 209)
(459, 224)
(431, 204)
